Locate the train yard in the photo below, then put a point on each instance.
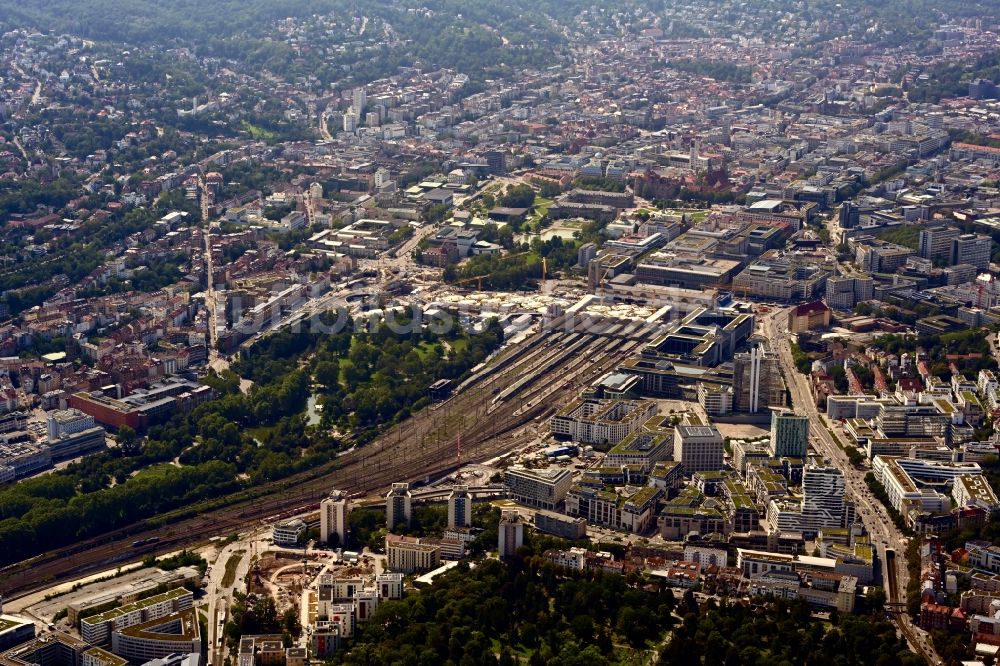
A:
(497, 410)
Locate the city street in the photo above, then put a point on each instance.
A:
(873, 514)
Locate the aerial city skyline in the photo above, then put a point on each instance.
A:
(544, 333)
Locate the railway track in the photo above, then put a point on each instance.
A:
(421, 448)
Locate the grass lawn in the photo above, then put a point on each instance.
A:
(257, 132)
(231, 565)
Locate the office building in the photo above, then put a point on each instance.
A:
(59, 649)
(590, 421)
(62, 422)
(789, 435)
(460, 507)
(178, 659)
(97, 629)
(782, 278)
(562, 526)
(630, 509)
(843, 292)
(158, 638)
(936, 242)
(510, 534)
(757, 381)
(398, 506)
(288, 533)
(642, 449)
(914, 485)
(333, 518)
(542, 488)
(873, 255)
(698, 448)
(972, 249)
(14, 630)
(809, 317)
(822, 497)
(410, 554)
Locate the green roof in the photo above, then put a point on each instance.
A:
(107, 616)
(10, 623)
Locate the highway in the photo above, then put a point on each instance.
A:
(873, 514)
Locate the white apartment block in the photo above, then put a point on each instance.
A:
(333, 518)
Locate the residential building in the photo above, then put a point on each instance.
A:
(511, 533)
(698, 448)
(460, 507)
(398, 506)
(410, 554)
(789, 435)
(822, 497)
(626, 508)
(333, 518)
(543, 488)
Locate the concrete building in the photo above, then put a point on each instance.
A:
(822, 497)
(540, 488)
(782, 278)
(460, 507)
(843, 292)
(565, 527)
(410, 554)
(642, 449)
(398, 506)
(629, 509)
(97, 629)
(972, 249)
(59, 649)
(178, 632)
(809, 317)
(789, 435)
(178, 659)
(936, 242)
(14, 630)
(63, 422)
(601, 421)
(698, 448)
(511, 533)
(757, 382)
(288, 532)
(333, 518)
